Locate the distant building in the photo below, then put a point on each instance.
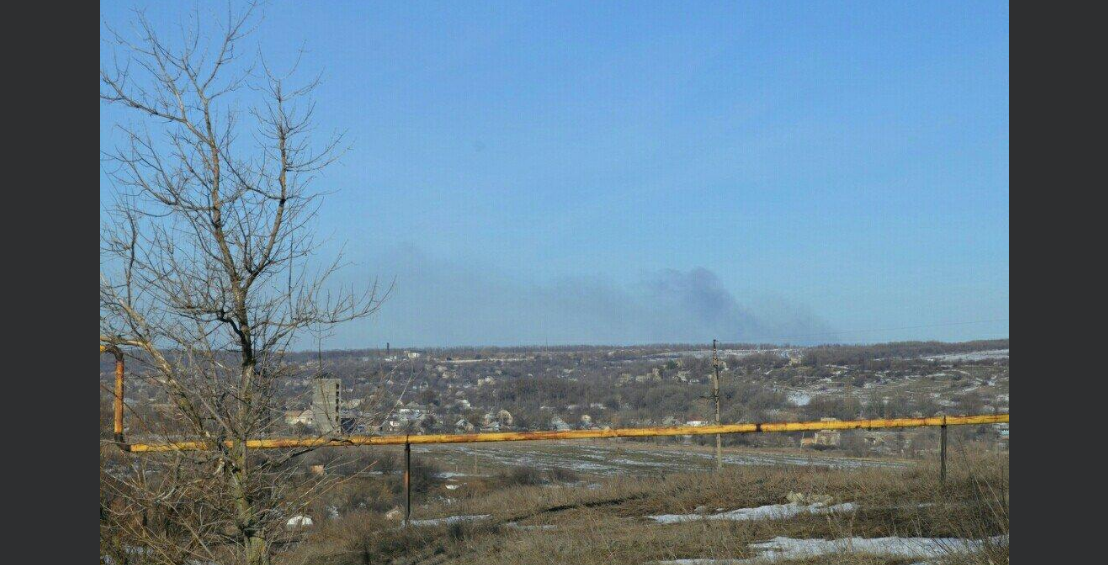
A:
(412, 413)
(823, 438)
(326, 398)
(301, 417)
(502, 418)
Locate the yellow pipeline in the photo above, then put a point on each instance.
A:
(278, 443)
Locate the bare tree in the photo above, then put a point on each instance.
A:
(205, 265)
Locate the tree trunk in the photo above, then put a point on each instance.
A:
(257, 550)
(254, 542)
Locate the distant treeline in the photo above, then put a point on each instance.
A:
(481, 352)
(893, 349)
(813, 356)
(861, 354)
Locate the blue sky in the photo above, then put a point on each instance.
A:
(603, 172)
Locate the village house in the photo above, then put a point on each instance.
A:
(559, 424)
(878, 439)
(823, 438)
(495, 422)
(411, 413)
(301, 417)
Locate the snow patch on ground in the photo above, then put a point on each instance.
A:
(299, 521)
(988, 355)
(524, 527)
(798, 398)
(450, 520)
(451, 474)
(769, 512)
(621, 458)
(783, 548)
(909, 548)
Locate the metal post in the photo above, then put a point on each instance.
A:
(715, 395)
(119, 394)
(407, 483)
(117, 424)
(942, 453)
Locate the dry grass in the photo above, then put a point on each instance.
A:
(608, 525)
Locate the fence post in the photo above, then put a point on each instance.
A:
(117, 424)
(942, 452)
(407, 483)
(715, 396)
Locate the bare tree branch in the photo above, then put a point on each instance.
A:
(204, 264)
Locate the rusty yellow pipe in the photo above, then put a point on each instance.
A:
(278, 443)
(117, 425)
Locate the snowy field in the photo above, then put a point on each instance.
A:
(614, 458)
(990, 355)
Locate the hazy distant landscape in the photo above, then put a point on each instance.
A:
(501, 389)
(571, 483)
(612, 283)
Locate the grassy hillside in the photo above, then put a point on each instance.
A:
(609, 521)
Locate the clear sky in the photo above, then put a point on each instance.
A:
(605, 172)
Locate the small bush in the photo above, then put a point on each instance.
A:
(523, 476)
(564, 475)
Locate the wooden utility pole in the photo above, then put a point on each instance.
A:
(715, 396)
(407, 483)
(942, 452)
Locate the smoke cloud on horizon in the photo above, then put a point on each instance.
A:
(437, 302)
